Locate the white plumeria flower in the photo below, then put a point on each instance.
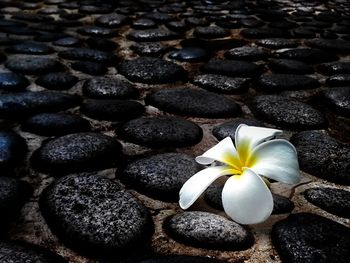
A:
(245, 197)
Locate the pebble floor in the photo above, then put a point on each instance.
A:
(105, 104)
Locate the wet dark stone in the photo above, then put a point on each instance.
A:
(152, 49)
(177, 26)
(152, 70)
(193, 102)
(13, 150)
(57, 81)
(23, 104)
(306, 237)
(32, 17)
(206, 230)
(280, 82)
(221, 84)
(338, 80)
(334, 68)
(87, 54)
(190, 54)
(76, 152)
(101, 44)
(236, 68)
(157, 34)
(67, 42)
(338, 99)
(11, 251)
(332, 45)
(277, 43)
(55, 124)
(286, 112)
(290, 66)
(308, 55)
(196, 21)
(96, 31)
(332, 200)
(94, 9)
(281, 204)
(210, 32)
(160, 176)
(13, 195)
(144, 23)
(108, 88)
(303, 32)
(263, 33)
(246, 53)
(12, 82)
(161, 132)
(30, 48)
(90, 68)
(111, 20)
(111, 110)
(251, 22)
(180, 259)
(226, 129)
(159, 17)
(93, 215)
(323, 156)
(49, 37)
(215, 44)
(32, 65)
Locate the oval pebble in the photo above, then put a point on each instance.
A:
(55, 124)
(191, 102)
(160, 176)
(232, 68)
(77, 152)
(290, 66)
(161, 132)
(206, 230)
(308, 55)
(57, 81)
(338, 99)
(91, 214)
(13, 149)
(30, 48)
(32, 65)
(13, 82)
(87, 54)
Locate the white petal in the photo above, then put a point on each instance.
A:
(247, 199)
(224, 152)
(276, 159)
(199, 182)
(248, 137)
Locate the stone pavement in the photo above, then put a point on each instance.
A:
(105, 104)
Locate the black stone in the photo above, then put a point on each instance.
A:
(210, 32)
(108, 88)
(77, 152)
(323, 156)
(277, 43)
(158, 17)
(280, 82)
(96, 31)
(152, 49)
(332, 45)
(180, 259)
(192, 102)
(221, 84)
(308, 55)
(259, 33)
(30, 48)
(87, 54)
(246, 53)
(338, 99)
(23, 104)
(335, 201)
(111, 20)
(161, 132)
(232, 68)
(304, 32)
(101, 44)
(13, 149)
(67, 42)
(177, 26)
(93, 215)
(32, 65)
(214, 44)
(16, 251)
(196, 21)
(290, 66)
(55, 124)
(206, 230)
(160, 176)
(286, 112)
(228, 129)
(13, 195)
(111, 110)
(334, 68)
(306, 237)
(144, 23)
(340, 80)
(152, 70)
(12, 82)
(281, 204)
(90, 68)
(190, 54)
(57, 81)
(157, 34)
